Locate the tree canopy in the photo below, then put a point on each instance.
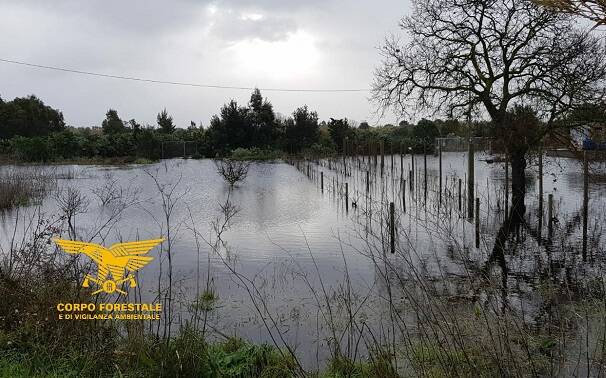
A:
(302, 129)
(339, 129)
(165, 122)
(112, 124)
(27, 117)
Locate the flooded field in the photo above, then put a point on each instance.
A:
(303, 260)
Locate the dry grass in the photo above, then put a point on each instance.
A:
(20, 187)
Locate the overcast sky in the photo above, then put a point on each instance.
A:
(312, 44)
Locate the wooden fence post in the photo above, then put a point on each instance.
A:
(322, 181)
(477, 223)
(392, 227)
(470, 178)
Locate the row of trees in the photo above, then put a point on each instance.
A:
(31, 130)
(112, 124)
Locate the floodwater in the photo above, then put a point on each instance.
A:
(289, 235)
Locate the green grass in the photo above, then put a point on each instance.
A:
(256, 154)
(142, 161)
(186, 355)
(377, 366)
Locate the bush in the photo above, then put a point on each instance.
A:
(31, 149)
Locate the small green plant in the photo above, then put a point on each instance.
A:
(142, 161)
(206, 301)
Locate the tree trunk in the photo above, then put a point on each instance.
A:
(518, 185)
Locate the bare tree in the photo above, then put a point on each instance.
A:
(232, 171)
(593, 10)
(71, 202)
(481, 57)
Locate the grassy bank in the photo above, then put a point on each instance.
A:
(34, 343)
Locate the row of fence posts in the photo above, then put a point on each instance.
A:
(381, 150)
(473, 203)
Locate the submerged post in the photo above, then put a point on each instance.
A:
(346, 196)
(549, 216)
(460, 202)
(322, 181)
(425, 171)
(470, 179)
(585, 202)
(412, 167)
(367, 181)
(540, 229)
(440, 167)
(404, 195)
(477, 223)
(391, 153)
(382, 146)
(392, 227)
(506, 185)
(401, 160)
(410, 181)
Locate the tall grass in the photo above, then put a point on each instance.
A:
(19, 187)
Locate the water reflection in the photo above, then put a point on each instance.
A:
(288, 234)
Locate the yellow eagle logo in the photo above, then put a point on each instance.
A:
(112, 262)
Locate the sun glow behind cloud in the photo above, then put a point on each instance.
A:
(294, 57)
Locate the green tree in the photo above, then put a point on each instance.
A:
(364, 126)
(262, 119)
(302, 130)
(339, 129)
(28, 117)
(112, 124)
(165, 122)
(449, 127)
(64, 144)
(425, 131)
(134, 126)
(231, 129)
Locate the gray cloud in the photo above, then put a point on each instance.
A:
(182, 40)
(234, 26)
